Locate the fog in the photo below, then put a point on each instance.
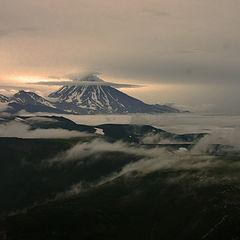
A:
(173, 122)
(222, 130)
(226, 137)
(21, 130)
(157, 158)
(150, 160)
(200, 158)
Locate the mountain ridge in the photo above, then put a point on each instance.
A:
(82, 100)
(105, 99)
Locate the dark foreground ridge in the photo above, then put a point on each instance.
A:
(114, 193)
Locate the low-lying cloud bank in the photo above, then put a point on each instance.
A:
(154, 159)
(173, 122)
(99, 146)
(228, 138)
(21, 130)
(150, 160)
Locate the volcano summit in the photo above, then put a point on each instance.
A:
(89, 95)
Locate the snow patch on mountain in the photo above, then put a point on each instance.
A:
(23, 97)
(3, 99)
(99, 131)
(104, 99)
(81, 99)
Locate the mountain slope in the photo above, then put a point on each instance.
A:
(3, 99)
(31, 102)
(174, 201)
(102, 99)
(84, 99)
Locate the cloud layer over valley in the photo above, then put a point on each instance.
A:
(21, 130)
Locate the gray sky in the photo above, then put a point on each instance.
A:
(185, 52)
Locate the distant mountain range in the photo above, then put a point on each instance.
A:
(84, 99)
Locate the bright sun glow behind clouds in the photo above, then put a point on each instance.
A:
(31, 79)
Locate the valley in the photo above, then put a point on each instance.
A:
(114, 185)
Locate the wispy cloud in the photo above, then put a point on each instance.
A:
(154, 13)
(89, 79)
(154, 159)
(21, 130)
(18, 31)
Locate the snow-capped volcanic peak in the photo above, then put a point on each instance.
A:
(90, 95)
(103, 99)
(95, 97)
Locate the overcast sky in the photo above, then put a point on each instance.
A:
(184, 51)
